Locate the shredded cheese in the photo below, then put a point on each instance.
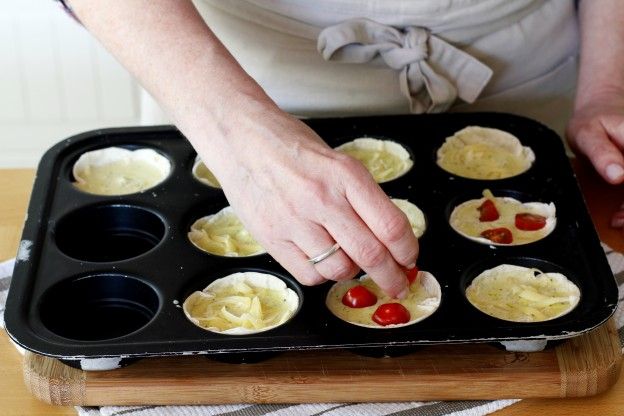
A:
(522, 294)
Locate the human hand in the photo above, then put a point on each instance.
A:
(297, 196)
(597, 131)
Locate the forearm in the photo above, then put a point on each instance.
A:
(166, 45)
(318, 196)
(602, 50)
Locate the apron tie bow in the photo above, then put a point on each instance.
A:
(433, 73)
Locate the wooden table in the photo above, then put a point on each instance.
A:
(15, 187)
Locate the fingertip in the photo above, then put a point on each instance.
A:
(402, 294)
(395, 288)
(614, 173)
(400, 288)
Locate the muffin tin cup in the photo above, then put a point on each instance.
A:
(60, 261)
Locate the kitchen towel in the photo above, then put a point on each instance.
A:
(454, 408)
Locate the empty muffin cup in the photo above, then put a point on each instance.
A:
(98, 307)
(119, 171)
(109, 233)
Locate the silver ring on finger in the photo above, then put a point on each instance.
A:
(325, 254)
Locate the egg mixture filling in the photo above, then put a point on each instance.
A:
(422, 300)
(414, 215)
(484, 153)
(119, 171)
(522, 294)
(503, 220)
(204, 175)
(242, 303)
(384, 159)
(223, 234)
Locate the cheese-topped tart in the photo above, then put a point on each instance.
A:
(224, 235)
(484, 153)
(414, 215)
(521, 294)
(119, 171)
(385, 160)
(242, 303)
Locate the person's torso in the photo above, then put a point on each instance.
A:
(279, 43)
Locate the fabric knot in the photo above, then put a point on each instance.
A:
(413, 48)
(432, 72)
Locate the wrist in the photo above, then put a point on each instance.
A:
(232, 133)
(589, 95)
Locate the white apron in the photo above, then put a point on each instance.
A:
(359, 57)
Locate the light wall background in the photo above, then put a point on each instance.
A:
(55, 81)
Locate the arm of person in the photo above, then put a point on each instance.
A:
(597, 125)
(296, 195)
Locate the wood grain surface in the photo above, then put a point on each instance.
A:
(15, 399)
(584, 366)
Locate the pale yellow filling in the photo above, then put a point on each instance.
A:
(240, 307)
(414, 215)
(515, 293)
(421, 301)
(204, 174)
(223, 234)
(484, 153)
(465, 218)
(119, 178)
(119, 171)
(384, 159)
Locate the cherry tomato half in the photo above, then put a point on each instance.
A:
(498, 235)
(391, 314)
(488, 211)
(411, 274)
(530, 222)
(359, 297)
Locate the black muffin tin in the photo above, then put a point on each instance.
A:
(105, 276)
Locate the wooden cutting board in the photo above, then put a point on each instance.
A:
(582, 366)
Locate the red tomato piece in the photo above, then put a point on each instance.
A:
(411, 274)
(498, 235)
(391, 314)
(530, 222)
(359, 297)
(488, 211)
